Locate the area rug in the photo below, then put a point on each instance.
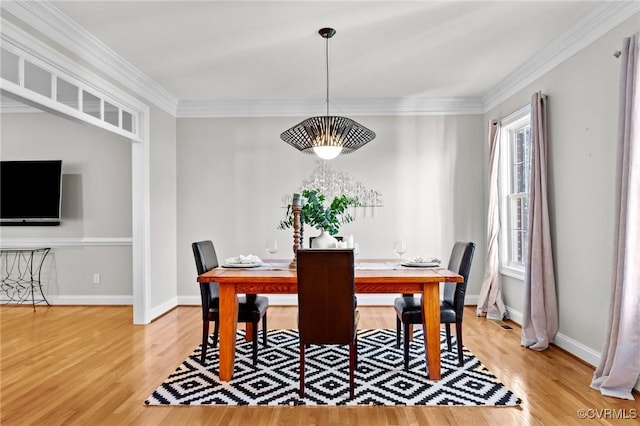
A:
(380, 376)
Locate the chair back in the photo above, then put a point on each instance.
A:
(206, 260)
(459, 262)
(326, 292)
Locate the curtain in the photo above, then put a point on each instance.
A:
(620, 363)
(490, 300)
(540, 312)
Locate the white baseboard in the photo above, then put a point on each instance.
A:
(90, 300)
(163, 308)
(585, 353)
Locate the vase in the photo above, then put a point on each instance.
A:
(323, 241)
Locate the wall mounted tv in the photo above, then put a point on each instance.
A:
(30, 192)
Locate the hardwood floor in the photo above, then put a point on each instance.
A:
(79, 365)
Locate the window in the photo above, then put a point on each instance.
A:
(515, 170)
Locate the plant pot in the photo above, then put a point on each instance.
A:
(323, 241)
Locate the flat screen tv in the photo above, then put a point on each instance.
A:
(30, 192)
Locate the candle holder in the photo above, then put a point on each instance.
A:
(296, 208)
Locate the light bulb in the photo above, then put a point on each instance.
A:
(327, 152)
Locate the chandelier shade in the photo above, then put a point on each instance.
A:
(332, 131)
(327, 136)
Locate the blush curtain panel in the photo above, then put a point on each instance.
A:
(540, 313)
(620, 362)
(490, 301)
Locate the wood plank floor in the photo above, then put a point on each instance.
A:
(78, 365)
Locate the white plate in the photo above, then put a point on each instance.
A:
(242, 265)
(421, 264)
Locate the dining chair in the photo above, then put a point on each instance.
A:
(327, 313)
(409, 311)
(251, 308)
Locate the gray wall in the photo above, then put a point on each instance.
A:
(583, 108)
(96, 201)
(232, 174)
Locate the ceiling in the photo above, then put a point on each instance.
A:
(271, 50)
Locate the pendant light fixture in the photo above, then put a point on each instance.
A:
(327, 136)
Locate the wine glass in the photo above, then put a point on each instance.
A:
(399, 247)
(356, 250)
(271, 248)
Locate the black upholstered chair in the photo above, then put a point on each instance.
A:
(409, 311)
(251, 308)
(326, 308)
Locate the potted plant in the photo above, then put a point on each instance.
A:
(326, 219)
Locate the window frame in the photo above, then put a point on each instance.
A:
(509, 126)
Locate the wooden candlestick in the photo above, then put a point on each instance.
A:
(296, 208)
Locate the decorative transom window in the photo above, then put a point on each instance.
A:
(515, 170)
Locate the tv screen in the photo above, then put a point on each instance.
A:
(30, 192)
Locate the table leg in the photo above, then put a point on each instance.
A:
(248, 331)
(431, 326)
(228, 324)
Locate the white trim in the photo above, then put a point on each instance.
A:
(351, 107)
(597, 23)
(27, 47)
(509, 271)
(141, 223)
(515, 316)
(88, 300)
(576, 348)
(57, 242)
(47, 19)
(163, 308)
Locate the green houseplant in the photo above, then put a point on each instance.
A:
(315, 214)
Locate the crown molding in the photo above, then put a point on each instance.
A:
(595, 24)
(47, 19)
(351, 107)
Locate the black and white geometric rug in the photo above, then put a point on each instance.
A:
(380, 376)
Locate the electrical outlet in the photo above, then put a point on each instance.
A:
(96, 278)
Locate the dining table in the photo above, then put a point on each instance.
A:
(371, 276)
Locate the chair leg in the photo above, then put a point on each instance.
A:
(355, 339)
(301, 392)
(447, 329)
(407, 327)
(264, 330)
(352, 366)
(216, 328)
(459, 340)
(205, 340)
(398, 325)
(254, 338)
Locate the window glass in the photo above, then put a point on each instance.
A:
(37, 79)
(90, 104)
(67, 93)
(10, 66)
(515, 159)
(111, 113)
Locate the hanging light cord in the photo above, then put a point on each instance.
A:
(327, 57)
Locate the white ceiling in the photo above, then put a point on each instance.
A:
(271, 50)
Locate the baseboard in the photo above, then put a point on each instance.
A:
(163, 308)
(90, 300)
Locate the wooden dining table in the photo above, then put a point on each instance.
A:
(371, 276)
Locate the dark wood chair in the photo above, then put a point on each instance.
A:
(251, 308)
(326, 304)
(409, 311)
